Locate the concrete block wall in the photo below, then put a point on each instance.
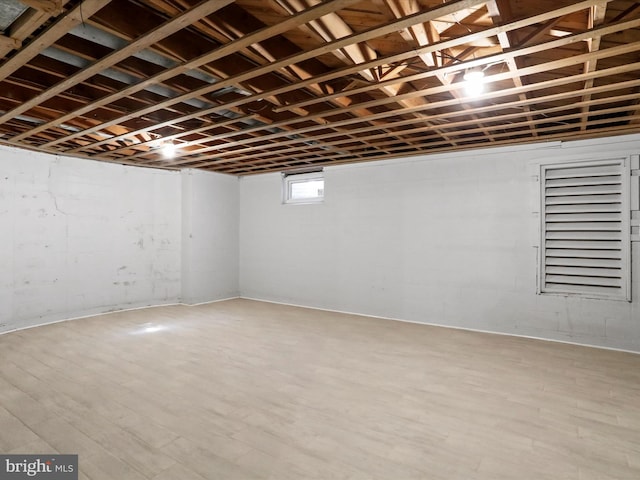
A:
(445, 239)
(79, 237)
(210, 229)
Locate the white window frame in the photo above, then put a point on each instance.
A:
(625, 294)
(288, 180)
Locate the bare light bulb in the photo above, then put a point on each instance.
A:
(168, 150)
(474, 82)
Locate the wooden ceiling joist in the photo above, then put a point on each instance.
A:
(488, 96)
(204, 8)
(338, 43)
(238, 79)
(286, 148)
(52, 7)
(219, 53)
(66, 23)
(8, 43)
(491, 96)
(596, 17)
(243, 87)
(498, 58)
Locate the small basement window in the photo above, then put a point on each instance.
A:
(303, 187)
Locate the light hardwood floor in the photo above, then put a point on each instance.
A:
(250, 390)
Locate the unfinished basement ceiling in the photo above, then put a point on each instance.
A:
(251, 86)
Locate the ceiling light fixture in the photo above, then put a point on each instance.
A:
(474, 81)
(168, 149)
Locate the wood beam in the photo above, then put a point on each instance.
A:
(393, 26)
(67, 22)
(428, 142)
(8, 43)
(24, 26)
(487, 97)
(331, 27)
(420, 35)
(204, 8)
(219, 53)
(539, 32)
(523, 51)
(500, 11)
(603, 30)
(432, 13)
(51, 7)
(566, 132)
(596, 17)
(441, 118)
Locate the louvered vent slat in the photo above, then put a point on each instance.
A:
(585, 208)
(598, 291)
(582, 181)
(577, 199)
(577, 280)
(577, 271)
(583, 229)
(584, 244)
(582, 235)
(574, 253)
(585, 262)
(584, 217)
(584, 190)
(605, 224)
(577, 172)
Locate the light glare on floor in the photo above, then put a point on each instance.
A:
(149, 328)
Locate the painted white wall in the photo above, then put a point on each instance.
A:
(446, 239)
(80, 237)
(210, 228)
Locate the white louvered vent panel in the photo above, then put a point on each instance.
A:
(583, 243)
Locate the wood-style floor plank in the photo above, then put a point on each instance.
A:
(250, 390)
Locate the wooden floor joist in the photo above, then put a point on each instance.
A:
(243, 86)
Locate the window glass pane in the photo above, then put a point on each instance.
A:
(303, 188)
(307, 189)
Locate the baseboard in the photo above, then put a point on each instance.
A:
(210, 301)
(91, 315)
(491, 332)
